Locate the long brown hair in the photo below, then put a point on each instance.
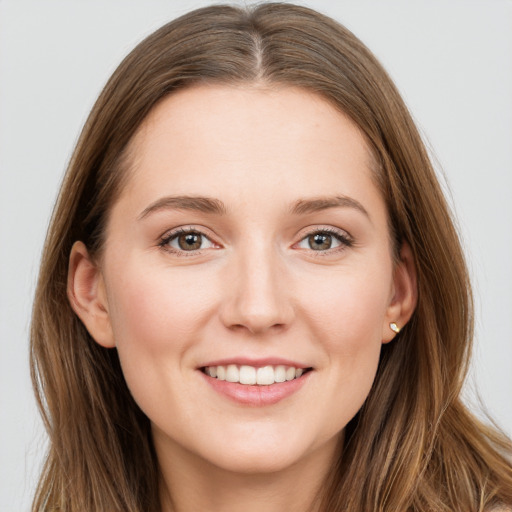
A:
(414, 445)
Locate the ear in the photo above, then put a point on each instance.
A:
(404, 294)
(87, 295)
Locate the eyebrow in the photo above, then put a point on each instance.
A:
(217, 207)
(304, 206)
(198, 204)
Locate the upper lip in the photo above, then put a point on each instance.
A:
(256, 362)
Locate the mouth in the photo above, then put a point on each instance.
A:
(255, 375)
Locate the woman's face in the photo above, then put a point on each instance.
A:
(250, 243)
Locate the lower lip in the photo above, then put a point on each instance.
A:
(257, 396)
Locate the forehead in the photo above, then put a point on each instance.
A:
(234, 142)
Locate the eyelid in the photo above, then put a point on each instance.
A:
(344, 237)
(173, 233)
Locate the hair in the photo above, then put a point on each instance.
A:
(414, 445)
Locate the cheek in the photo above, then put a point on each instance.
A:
(155, 307)
(346, 320)
(349, 309)
(157, 315)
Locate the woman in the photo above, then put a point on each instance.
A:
(251, 296)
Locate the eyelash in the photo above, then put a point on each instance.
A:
(169, 237)
(342, 237)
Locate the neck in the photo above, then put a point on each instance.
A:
(189, 483)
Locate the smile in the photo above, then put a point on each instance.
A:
(251, 375)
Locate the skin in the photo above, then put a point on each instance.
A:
(256, 288)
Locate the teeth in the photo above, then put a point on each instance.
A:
(247, 375)
(263, 376)
(232, 373)
(280, 374)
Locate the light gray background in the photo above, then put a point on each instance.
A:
(452, 60)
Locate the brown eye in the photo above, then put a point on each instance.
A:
(190, 241)
(325, 241)
(320, 241)
(187, 241)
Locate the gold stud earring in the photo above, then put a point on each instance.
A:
(394, 327)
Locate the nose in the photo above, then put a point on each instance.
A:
(257, 294)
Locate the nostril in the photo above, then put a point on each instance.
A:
(258, 328)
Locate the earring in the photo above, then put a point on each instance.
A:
(394, 327)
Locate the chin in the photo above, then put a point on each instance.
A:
(264, 453)
(258, 461)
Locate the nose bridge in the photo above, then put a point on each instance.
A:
(259, 294)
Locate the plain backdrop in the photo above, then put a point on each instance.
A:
(452, 60)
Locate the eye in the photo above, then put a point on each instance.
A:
(324, 240)
(186, 240)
